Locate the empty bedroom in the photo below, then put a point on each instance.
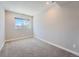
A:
(39, 28)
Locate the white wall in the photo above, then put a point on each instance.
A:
(60, 26)
(2, 27)
(10, 25)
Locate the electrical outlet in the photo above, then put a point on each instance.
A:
(74, 45)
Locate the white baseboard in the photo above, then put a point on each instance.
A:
(2, 45)
(25, 37)
(73, 52)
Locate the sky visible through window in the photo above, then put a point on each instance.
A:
(20, 22)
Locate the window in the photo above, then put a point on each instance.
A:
(20, 22)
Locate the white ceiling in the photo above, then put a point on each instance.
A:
(29, 7)
(26, 7)
(69, 4)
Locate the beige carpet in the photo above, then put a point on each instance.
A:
(32, 48)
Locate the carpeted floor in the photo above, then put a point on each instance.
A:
(32, 48)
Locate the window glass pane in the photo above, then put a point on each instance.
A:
(20, 22)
